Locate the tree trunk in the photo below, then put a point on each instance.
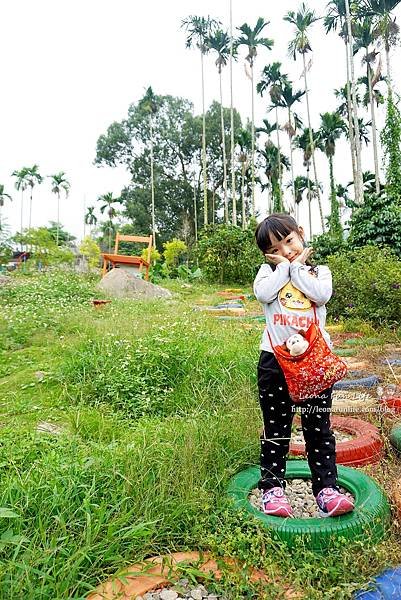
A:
(359, 181)
(233, 191)
(223, 139)
(195, 211)
(312, 144)
(309, 201)
(350, 125)
(152, 185)
(58, 218)
(22, 213)
(213, 197)
(205, 218)
(280, 174)
(389, 84)
(243, 196)
(374, 131)
(30, 209)
(292, 162)
(335, 223)
(253, 146)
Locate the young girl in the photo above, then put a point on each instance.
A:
(293, 293)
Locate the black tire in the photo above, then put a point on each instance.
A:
(395, 437)
(369, 520)
(367, 382)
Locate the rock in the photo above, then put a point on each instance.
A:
(119, 283)
(196, 594)
(40, 375)
(45, 427)
(168, 595)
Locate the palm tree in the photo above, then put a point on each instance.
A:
(385, 27)
(59, 183)
(272, 159)
(339, 16)
(199, 29)
(32, 177)
(331, 128)
(302, 141)
(233, 194)
(3, 197)
(304, 184)
(364, 38)
(274, 80)
(287, 100)
(300, 44)
(21, 184)
(107, 206)
(251, 38)
(90, 217)
(244, 141)
(149, 105)
(220, 42)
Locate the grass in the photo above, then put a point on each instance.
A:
(157, 408)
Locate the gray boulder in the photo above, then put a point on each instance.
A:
(120, 283)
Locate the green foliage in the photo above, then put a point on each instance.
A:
(325, 245)
(228, 254)
(377, 222)
(173, 251)
(367, 285)
(391, 139)
(155, 255)
(91, 251)
(43, 248)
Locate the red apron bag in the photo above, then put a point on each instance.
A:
(313, 371)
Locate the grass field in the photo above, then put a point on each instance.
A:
(156, 408)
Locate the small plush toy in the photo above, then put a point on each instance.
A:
(297, 344)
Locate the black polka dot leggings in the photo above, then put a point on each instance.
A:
(278, 411)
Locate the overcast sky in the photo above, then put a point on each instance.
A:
(71, 68)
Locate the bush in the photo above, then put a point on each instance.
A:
(325, 245)
(91, 251)
(228, 254)
(367, 285)
(172, 252)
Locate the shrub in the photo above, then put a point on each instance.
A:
(91, 251)
(367, 285)
(228, 254)
(172, 252)
(325, 245)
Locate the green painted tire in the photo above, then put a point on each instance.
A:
(362, 341)
(368, 521)
(345, 351)
(395, 437)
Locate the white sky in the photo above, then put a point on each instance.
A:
(71, 68)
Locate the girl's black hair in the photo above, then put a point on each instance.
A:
(280, 225)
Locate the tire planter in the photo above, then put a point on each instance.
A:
(334, 328)
(229, 296)
(394, 362)
(352, 401)
(354, 363)
(395, 437)
(345, 351)
(393, 402)
(386, 586)
(366, 448)
(346, 384)
(140, 578)
(368, 521)
(397, 498)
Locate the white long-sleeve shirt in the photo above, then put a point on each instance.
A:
(287, 295)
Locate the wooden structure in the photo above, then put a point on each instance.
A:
(126, 261)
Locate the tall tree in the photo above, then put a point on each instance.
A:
(220, 43)
(3, 197)
(232, 134)
(273, 80)
(199, 29)
(251, 38)
(107, 201)
(304, 184)
(20, 185)
(59, 184)
(385, 27)
(302, 21)
(33, 177)
(149, 105)
(90, 217)
(272, 157)
(287, 100)
(302, 141)
(244, 141)
(331, 128)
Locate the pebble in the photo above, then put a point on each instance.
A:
(182, 589)
(298, 438)
(300, 496)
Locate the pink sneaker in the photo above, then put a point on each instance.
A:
(332, 503)
(275, 503)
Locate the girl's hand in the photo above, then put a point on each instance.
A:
(303, 257)
(276, 259)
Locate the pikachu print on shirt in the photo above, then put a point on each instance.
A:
(293, 299)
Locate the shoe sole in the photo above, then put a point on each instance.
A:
(274, 513)
(337, 511)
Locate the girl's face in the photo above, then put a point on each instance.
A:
(289, 247)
